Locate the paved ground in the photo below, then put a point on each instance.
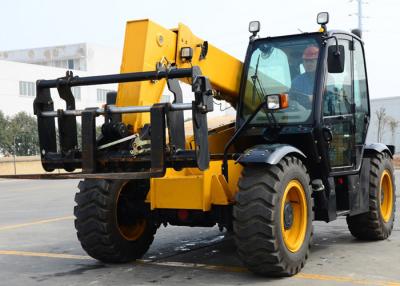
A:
(38, 246)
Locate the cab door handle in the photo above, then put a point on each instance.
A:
(327, 134)
(366, 118)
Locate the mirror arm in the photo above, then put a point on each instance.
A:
(337, 53)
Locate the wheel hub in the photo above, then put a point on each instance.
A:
(288, 215)
(386, 196)
(294, 215)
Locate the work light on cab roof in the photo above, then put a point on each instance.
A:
(323, 19)
(254, 27)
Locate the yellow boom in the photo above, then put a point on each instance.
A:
(148, 44)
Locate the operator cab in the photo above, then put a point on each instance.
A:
(323, 77)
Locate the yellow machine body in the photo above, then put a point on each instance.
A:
(194, 189)
(148, 46)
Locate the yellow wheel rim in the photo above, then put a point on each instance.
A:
(386, 195)
(133, 231)
(294, 216)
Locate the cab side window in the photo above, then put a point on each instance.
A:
(338, 93)
(337, 112)
(360, 93)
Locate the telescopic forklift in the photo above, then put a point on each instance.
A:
(295, 154)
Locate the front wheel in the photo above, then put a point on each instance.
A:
(111, 220)
(273, 217)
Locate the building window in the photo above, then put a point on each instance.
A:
(27, 88)
(71, 64)
(102, 95)
(76, 91)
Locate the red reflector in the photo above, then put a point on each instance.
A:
(183, 214)
(340, 181)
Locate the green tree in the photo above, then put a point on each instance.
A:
(19, 133)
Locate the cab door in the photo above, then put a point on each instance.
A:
(338, 113)
(361, 100)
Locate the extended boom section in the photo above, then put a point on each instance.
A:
(150, 46)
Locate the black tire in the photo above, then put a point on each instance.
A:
(372, 225)
(257, 218)
(110, 220)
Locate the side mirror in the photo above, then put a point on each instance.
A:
(336, 59)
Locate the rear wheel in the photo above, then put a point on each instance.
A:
(111, 220)
(377, 224)
(273, 218)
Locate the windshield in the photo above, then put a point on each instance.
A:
(282, 65)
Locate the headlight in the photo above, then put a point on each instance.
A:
(277, 101)
(273, 101)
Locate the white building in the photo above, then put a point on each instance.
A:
(19, 70)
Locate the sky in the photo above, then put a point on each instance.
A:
(28, 24)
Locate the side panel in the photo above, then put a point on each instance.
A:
(193, 189)
(359, 200)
